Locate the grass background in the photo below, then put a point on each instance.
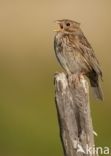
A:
(28, 121)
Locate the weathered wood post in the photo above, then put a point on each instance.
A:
(73, 109)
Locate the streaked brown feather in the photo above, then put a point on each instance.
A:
(76, 55)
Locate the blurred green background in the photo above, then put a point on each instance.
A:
(28, 120)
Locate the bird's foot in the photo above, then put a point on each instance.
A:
(73, 80)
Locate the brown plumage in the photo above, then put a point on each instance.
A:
(76, 55)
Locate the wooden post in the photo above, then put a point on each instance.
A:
(72, 103)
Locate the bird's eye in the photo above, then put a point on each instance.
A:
(68, 24)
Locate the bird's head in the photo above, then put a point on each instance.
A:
(66, 25)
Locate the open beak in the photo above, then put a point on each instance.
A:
(58, 26)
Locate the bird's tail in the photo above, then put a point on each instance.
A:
(97, 89)
(98, 92)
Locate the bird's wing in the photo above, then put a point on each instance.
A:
(88, 54)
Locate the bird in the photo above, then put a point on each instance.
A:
(75, 54)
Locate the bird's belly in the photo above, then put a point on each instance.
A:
(69, 58)
(75, 62)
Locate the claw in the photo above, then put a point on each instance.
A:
(73, 80)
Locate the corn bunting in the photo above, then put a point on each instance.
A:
(76, 55)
